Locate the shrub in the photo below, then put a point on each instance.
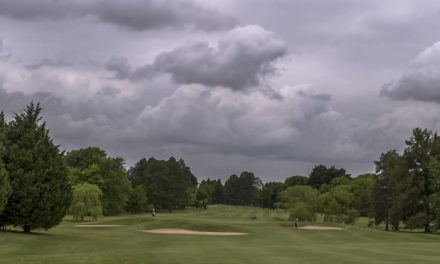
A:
(351, 217)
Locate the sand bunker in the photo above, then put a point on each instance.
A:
(179, 231)
(320, 228)
(97, 225)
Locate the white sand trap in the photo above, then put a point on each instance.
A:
(179, 231)
(97, 225)
(320, 228)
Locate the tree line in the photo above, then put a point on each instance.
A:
(39, 184)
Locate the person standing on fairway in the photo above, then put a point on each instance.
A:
(154, 212)
(296, 222)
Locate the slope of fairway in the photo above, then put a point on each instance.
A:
(270, 239)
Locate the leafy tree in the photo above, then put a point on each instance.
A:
(392, 192)
(205, 190)
(342, 180)
(301, 201)
(166, 181)
(250, 185)
(203, 196)
(296, 180)
(242, 190)
(218, 195)
(434, 167)
(92, 165)
(191, 194)
(116, 186)
(86, 201)
(136, 174)
(5, 188)
(137, 202)
(406, 188)
(203, 203)
(322, 175)
(232, 190)
(41, 193)
(351, 217)
(335, 203)
(362, 187)
(268, 196)
(325, 188)
(422, 145)
(302, 211)
(85, 157)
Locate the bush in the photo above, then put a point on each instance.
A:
(417, 221)
(301, 211)
(351, 217)
(137, 200)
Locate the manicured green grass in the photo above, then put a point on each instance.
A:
(271, 239)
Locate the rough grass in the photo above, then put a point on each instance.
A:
(271, 239)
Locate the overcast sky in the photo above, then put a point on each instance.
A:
(272, 87)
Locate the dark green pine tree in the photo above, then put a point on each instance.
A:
(218, 195)
(5, 189)
(41, 193)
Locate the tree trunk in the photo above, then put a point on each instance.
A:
(27, 229)
(386, 221)
(427, 228)
(427, 224)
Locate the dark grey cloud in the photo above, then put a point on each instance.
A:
(123, 70)
(131, 14)
(44, 9)
(251, 124)
(141, 15)
(179, 103)
(242, 58)
(195, 118)
(421, 82)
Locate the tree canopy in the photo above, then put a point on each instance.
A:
(41, 193)
(92, 165)
(166, 181)
(322, 175)
(243, 189)
(86, 201)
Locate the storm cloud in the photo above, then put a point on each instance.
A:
(420, 82)
(131, 14)
(242, 58)
(269, 87)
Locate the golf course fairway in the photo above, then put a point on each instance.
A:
(269, 238)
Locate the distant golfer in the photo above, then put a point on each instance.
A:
(154, 212)
(296, 222)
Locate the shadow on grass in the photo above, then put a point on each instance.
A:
(21, 232)
(407, 231)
